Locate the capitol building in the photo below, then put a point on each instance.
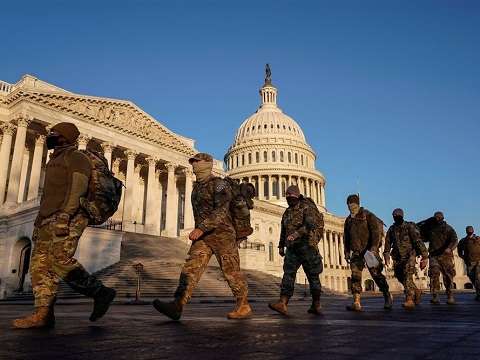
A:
(269, 150)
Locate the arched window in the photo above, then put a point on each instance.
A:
(270, 252)
(302, 159)
(237, 160)
(296, 158)
(243, 159)
(265, 156)
(289, 157)
(274, 156)
(281, 157)
(257, 157)
(249, 158)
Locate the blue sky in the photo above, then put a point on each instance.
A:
(387, 92)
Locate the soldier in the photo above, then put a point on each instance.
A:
(58, 227)
(469, 251)
(214, 234)
(302, 228)
(362, 232)
(403, 243)
(442, 241)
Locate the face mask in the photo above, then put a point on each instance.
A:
(202, 169)
(292, 201)
(52, 141)
(398, 220)
(354, 208)
(469, 233)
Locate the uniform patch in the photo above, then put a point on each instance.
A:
(220, 187)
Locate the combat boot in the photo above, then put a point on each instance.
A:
(409, 304)
(434, 300)
(450, 299)
(172, 309)
(388, 301)
(280, 306)
(315, 308)
(356, 306)
(42, 317)
(101, 302)
(242, 310)
(417, 297)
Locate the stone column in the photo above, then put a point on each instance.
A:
(189, 222)
(323, 195)
(107, 152)
(35, 174)
(23, 175)
(342, 251)
(152, 215)
(172, 204)
(331, 258)
(17, 161)
(325, 248)
(5, 149)
(130, 190)
(261, 192)
(336, 248)
(83, 141)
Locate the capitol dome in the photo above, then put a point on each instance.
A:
(270, 151)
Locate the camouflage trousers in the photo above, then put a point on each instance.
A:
(357, 264)
(445, 265)
(52, 258)
(309, 258)
(473, 272)
(198, 257)
(404, 270)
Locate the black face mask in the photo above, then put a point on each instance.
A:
(469, 233)
(398, 220)
(52, 141)
(291, 201)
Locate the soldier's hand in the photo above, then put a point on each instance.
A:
(423, 263)
(292, 237)
(195, 234)
(281, 251)
(62, 224)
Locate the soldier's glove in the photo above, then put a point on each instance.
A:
(281, 251)
(423, 263)
(62, 224)
(386, 257)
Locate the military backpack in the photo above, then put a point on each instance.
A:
(240, 206)
(104, 190)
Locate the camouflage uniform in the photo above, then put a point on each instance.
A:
(404, 243)
(361, 233)
(440, 237)
(469, 251)
(306, 222)
(211, 201)
(53, 251)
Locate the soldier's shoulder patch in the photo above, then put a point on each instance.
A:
(220, 186)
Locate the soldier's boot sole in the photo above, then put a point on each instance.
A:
(354, 308)
(170, 309)
(315, 310)
(102, 303)
(435, 300)
(279, 307)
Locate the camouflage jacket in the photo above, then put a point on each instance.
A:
(305, 221)
(440, 237)
(211, 206)
(403, 241)
(469, 249)
(362, 232)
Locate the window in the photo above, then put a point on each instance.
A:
(274, 156)
(237, 160)
(296, 158)
(265, 156)
(270, 252)
(266, 190)
(265, 126)
(243, 159)
(257, 157)
(289, 157)
(284, 188)
(281, 157)
(302, 160)
(249, 158)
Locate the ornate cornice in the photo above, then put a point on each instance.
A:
(119, 115)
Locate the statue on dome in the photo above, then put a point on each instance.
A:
(268, 74)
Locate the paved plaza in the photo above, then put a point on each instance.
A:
(139, 332)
